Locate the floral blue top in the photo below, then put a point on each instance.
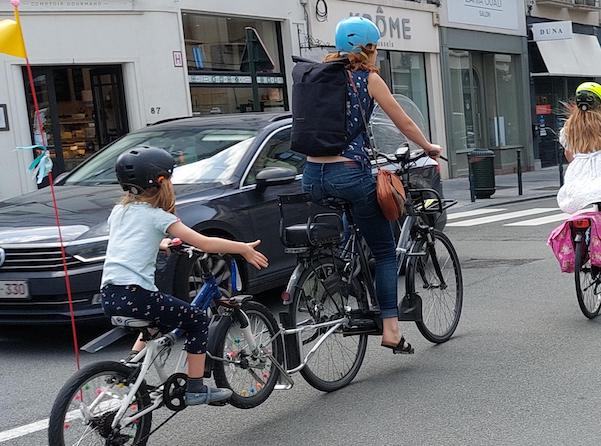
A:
(357, 148)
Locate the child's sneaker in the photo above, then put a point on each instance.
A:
(211, 395)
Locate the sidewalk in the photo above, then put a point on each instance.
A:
(543, 183)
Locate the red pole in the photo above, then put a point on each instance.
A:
(40, 124)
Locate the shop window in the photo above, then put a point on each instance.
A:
(215, 100)
(82, 108)
(506, 120)
(227, 57)
(485, 105)
(409, 79)
(216, 43)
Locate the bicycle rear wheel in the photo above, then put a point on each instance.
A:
(251, 377)
(441, 291)
(588, 282)
(88, 402)
(338, 360)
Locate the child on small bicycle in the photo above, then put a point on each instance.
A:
(581, 138)
(137, 229)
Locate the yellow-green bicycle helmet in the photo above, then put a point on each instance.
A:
(588, 95)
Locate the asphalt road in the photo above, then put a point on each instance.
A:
(521, 369)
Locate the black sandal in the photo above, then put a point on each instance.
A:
(402, 348)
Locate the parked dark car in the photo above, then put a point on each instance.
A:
(230, 172)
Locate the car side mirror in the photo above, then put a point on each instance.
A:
(274, 176)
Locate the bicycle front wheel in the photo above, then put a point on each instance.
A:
(436, 278)
(587, 282)
(338, 359)
(250, 375)
(88, 402)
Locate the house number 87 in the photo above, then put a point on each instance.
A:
(155, 110)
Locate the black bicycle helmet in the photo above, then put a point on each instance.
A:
(142, 168)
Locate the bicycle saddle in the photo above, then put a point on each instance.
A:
(130, 322)
(315, 234)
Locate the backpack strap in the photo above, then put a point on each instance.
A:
(370, 136)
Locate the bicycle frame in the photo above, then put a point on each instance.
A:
(153, 349)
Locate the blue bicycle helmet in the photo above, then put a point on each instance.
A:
(355, 32)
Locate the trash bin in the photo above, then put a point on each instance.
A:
(482, 172)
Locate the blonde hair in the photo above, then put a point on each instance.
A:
(162, 197)
(583, 129)
(357, 61)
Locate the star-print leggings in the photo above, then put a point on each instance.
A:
(166, 311)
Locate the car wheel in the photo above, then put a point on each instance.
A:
(188, 277)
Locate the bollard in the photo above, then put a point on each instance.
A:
(471, 178)
(560, 156)
(519, 160)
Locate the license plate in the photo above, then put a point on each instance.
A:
(14, 289)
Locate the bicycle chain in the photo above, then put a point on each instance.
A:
(155, 429)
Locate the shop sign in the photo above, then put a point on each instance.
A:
(233, 79)
(552, 31)
(400, 29)
(77, 5)
(543, 109)
(487, 13)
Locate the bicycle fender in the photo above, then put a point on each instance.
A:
(293, 282)
(105, 340)
(215, 327)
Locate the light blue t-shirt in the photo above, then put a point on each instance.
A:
(135, 233)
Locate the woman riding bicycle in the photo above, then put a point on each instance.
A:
(348, 176)
(581, 138)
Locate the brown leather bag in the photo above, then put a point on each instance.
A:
(391, 194)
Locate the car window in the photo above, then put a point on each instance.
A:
(201, 155)
(276, 152)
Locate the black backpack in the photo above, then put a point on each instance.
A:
(319, 102)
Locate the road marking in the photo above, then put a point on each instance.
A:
(31, 428)
(501, 217)
(23, 430)
(540, 221)
(456, 215)
(547, 219)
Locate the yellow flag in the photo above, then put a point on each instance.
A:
(11, 39)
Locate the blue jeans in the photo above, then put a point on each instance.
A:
(356, 184)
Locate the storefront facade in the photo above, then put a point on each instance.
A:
(408, 52)
(104, 68)
(564, 51)
(486, 82)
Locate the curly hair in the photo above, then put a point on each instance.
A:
(583, 129)
(357, 61)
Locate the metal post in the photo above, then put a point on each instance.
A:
(471, 178)
(560, 156)
(520, 185)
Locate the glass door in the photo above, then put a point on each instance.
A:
(109, 104)
(46, 97)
